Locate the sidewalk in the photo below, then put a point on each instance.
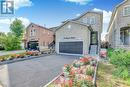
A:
(11, 52)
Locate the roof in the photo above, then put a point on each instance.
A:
(76, 22)
(38, 26)
(114, 12)
(54, 28)
(87, 13)
(101, 13)
(81, 23)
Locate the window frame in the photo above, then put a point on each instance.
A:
(124, 14)
(92, 19)
(88, 20)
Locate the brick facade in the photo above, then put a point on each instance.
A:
(39, 35)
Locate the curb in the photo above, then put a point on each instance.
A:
(95, 75)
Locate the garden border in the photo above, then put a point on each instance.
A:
(22, 59)
(95, 75)
(94, 78)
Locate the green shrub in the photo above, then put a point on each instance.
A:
(109, 52)
(122, 72)
(121, 59)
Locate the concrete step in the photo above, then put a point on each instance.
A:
(93, 49)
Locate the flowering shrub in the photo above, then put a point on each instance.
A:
(90, 70)
(29, 53)
(18, 55)
(84, 61)
(79, 74)
(2, 58)
(76, 64)
(32, 53)
(103, 54)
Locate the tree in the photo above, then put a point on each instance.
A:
(1, 40)
(17, 28)
(2, 34)
(10, 42)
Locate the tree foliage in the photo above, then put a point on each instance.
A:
(12, 40)
(17, 28)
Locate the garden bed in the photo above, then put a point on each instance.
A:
(5, 59)
(81, 73)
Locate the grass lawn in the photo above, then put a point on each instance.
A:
(105, 77)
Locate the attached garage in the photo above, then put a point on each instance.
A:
(72, 38)
(71, 47)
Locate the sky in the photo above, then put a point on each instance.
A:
(51, 13)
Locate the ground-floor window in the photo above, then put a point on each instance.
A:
(125, 36)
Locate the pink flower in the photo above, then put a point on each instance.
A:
(66, 65)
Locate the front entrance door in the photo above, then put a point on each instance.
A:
(94, 38)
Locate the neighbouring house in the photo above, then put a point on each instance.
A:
(80, 36)
(106, 37)
(119, 26)
(38, 37)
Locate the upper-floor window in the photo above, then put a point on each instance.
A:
(69, 26)
(92, 20)
(126, 11)
(33, 32)
(48, 33)
(89, 20)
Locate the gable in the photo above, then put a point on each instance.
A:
(116, 10)
(36, 26)
(72, 31)
(74, 23)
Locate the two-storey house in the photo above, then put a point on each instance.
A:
(119, 26)
(38, 37)
(81, 35)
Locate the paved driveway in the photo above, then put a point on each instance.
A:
(35, 72)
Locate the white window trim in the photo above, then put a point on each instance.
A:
(94, 20)
(31, 32)
(88, 20)
(85, 20)
(69, 26)
(124, 10)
